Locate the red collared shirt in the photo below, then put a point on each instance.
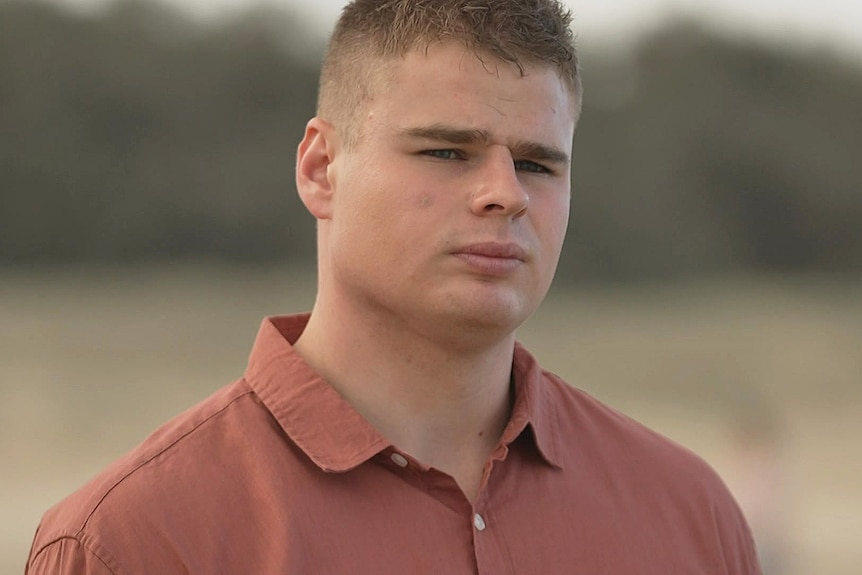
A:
(276, 473)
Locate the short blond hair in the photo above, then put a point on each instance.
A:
(369, 33)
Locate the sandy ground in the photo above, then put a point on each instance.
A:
(763, 378)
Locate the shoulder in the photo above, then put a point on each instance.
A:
(665, 485)
(140, 483)
(632, 454)
(585, 422)
(578, 427)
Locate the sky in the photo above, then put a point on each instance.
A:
(831, 24)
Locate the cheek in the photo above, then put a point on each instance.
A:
(551, 217)
(373, 215)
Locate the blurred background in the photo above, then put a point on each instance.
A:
(711, 285)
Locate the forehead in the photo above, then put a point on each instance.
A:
(450, 84)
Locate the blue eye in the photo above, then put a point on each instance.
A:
(533, 167)
(443, 154)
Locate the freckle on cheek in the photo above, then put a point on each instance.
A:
(426, 201)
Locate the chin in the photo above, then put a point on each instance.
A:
(499, 318)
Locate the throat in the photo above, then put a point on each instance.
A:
(459, 442)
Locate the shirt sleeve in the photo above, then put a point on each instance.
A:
(66, 556)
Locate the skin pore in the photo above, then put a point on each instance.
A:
(439, 232)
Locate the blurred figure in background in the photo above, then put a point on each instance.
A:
(399, 427)
(758, 477)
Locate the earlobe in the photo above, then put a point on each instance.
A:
(314, 160)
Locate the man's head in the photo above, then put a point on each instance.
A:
(372, 34)
(438, 167)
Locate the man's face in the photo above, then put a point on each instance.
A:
(451, 208)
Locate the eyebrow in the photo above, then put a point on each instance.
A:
(458, 136)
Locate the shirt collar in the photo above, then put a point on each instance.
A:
(333, 434)
(534, 407)
(321, 423)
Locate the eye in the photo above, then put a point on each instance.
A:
(444, 154)
(532, 167)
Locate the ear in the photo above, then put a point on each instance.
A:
(314, 158)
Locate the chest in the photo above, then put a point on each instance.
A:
(530, 518)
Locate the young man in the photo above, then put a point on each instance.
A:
(399, 428)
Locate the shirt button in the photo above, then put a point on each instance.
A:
(478, 522)
(398, 459)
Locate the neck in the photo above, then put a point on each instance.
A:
(443, 402)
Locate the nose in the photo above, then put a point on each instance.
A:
(498, 190)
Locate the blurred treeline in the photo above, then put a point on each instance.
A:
(138, 135)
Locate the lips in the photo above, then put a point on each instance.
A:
(495, 250)
(492, 258)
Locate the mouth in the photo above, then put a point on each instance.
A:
(492, 258)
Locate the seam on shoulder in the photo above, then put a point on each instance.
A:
(81, 543)
(179, 438)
